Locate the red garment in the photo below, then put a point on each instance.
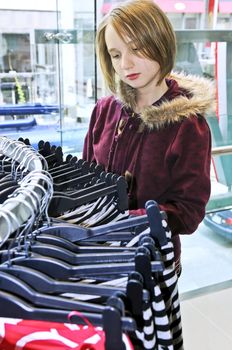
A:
(164, 154)
(16, 334)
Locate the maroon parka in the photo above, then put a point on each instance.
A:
(164, 152)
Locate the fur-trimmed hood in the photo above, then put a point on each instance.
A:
(197, 97)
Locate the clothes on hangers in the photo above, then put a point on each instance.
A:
(162, 328)
(151, 299)
(32, 169)
(97, 213)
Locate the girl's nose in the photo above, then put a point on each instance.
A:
(126, 61)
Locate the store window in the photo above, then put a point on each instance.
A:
(47, 60)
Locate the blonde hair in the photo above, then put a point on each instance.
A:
(147, 25)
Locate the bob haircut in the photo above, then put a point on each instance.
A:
(148, 27)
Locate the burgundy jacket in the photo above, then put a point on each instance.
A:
(164, 152)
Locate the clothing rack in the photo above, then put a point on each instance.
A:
(36, 271)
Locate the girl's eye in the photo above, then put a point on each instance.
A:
(114, 55)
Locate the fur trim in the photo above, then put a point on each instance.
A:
(199, 99)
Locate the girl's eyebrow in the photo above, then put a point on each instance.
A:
(113, 50)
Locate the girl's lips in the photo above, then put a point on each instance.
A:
(132, 76)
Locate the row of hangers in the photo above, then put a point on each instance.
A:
(77, 182)
(33, 287)
(45, 268)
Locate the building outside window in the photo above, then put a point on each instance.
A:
(47, 60)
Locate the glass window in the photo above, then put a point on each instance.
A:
(48, 62)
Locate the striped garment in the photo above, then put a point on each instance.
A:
(162, 328)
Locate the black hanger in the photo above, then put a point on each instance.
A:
(66, 174)
(26, 141)
(107, 205)
(57, 268)
(80, 248)
(77, 233)
(43, 283)
(94, 184)
(44, 148)
(55, 158)
(122, 236)
(75, 182)
(149, 243)
(68, 162)
(80, 259)
(17, 287)
(76, 176)
(61, 204)
(74, 194)
(60, 169)
(73, 169)
(155, 222)
(143, 265)
(134, 293)
(110, 318)
(53, 154)
(134, 303)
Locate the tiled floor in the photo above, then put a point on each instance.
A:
(206, 259)
(206, 291)
(207, 321)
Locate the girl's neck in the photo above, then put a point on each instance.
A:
(146, 99)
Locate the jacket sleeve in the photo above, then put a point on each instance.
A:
(190, 159)
(189, 167)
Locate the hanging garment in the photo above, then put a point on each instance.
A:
(162, 322)
(17, 334)
(166, 304)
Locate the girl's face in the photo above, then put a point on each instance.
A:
(132, 68)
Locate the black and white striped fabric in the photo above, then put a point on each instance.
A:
(162, 328)
(166, 292)
(147, 335)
